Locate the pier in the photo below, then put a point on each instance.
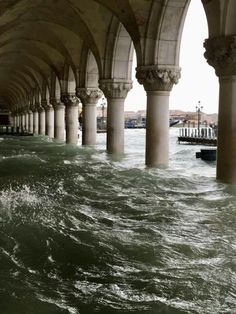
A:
(198, 136)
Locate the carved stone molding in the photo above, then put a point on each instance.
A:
(70, 99)
(89, 95)
(38, 107)
(46, 105)
(221, 54)
(56, 103)
(115, 88)
(33, 107)
(157, 78)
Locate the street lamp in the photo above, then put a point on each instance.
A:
(198, 110)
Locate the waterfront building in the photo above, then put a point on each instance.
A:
(55, 55)
(87, 232)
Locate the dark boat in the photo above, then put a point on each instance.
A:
(173, 122)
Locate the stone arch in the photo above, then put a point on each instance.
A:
(71, 81)
(88, 70)
(168, 33)
(54, 87)
(119, 53)
(45, 92)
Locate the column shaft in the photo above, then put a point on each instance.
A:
(31, 122)
(89, 131)
(26, 121)
(35, 122)
(72, 124)
(22, 121)
(42, 122)
(18, 121)
(115, 126)
(50, 122)
(157, 128)
(59, 122)
(226, 139)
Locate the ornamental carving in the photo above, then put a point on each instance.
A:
(46, 105)
(70, 99)
(35, 107)
(221, 54)
(115, 89)
(89, 95)
(156, 78)
(56, 103)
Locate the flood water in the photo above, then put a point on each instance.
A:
(81, 233)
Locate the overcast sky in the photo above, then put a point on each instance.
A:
(198, 80)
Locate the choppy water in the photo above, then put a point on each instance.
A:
(81, 233)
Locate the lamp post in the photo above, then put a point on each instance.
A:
(198, 110)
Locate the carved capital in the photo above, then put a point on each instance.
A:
(115, 88)
(24, 109)
(70, 99)
(89, 95)
(56, 103)
(46, 105)
(34, 107)
(157, 78)
(221, 54)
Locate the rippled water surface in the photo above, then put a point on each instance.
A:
(82, 233)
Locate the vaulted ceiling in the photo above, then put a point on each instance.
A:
(40, 36)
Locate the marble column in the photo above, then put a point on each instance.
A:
(89, 98)
(14, 122)
(59, 120)
(115, 91)
(49, 121)
(221, 54)
(35, 121)
(26, 121)
(158, 82)
(31, 122)
(71, 103)
(18, 120)
(22, 121)
(42, 121)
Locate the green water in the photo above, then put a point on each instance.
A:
(82, 233)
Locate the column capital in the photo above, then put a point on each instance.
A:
(33, 107)
(221, 54)
(56, 103)
(38, 107)
(113, 88)
(70, 99)
(46, 105)
(158, 78)
(89, 95)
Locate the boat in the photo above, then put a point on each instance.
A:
(173, 122)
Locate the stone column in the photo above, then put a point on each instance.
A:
(221, 54)
(35, 121)
(26, 121)
(22, 121)
(89, 98)
(71, 103)
(14, 122)
(18, 120)
(49, 121)
(31, 122)
(158, 82)
(115, 92)
(42, 121)
(59, 119)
